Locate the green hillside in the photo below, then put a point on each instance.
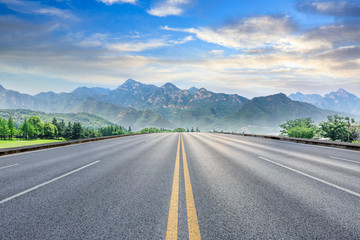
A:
(87, 120)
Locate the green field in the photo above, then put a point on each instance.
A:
(20, 143)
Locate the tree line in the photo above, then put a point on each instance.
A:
(34, 128)
(336, 128)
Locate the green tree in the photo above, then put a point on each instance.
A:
(54, 121)
(129, 130)
(299, 128)
(11, 127)
(38, 126)
(27, 130)
(179, 130)
(24, 129)
(68, 131)
(4, 129)
(61, 128)
(336, 128)
(50, 130)
(76, 131)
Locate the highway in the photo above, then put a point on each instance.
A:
(181, 186)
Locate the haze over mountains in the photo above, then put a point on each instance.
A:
(340, 100)
(142, 105)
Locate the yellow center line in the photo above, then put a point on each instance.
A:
(172, 224)
(193, 225)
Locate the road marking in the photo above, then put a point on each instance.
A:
(9, 166)
(343, 159)
(46, 183)
(172, 224)
(314, 178)
(193, 225)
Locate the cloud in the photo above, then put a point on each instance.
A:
(27, 7)
(335, 34)
(216, 52)
(51, 11)
(331, 8)
(259, 55)
(341, 54)
(182, 41)
(95, 40)
(110, 2)
(168, 8)
(246, 33)
(138, 46)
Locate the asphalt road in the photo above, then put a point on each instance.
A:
(161, 186)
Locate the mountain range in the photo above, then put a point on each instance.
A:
(340, 100)
(144, 105)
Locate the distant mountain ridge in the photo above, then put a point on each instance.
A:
(340, 100)
(143, 105)
(276, 108)
(51, 102)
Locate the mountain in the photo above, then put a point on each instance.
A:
(193, 90)
(51, 102)
(85, 92)
(341, 100)
(309, 98)
(198, 107)
(263, 114)
(275, 109)
(142, 105)
(11, 99)
(87, 120)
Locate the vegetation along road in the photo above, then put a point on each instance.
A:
(185, 186)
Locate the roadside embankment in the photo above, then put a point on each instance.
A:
(349, 146)
(7, 151)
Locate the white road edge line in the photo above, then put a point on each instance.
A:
(45, 183)
(314, 178)
(9, 166)
(343, 159)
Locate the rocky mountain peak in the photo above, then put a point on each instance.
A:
(193, 90)
(130, 84)
(170, 86)
(341, 93)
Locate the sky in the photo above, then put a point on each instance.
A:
(249, 47)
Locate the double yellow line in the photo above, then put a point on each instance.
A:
(172, 224)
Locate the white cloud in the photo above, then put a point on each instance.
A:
(110, 2)
(331, 8)
(55, 12)
(216, 52)
(138, 46)
(182, 41)
(168, 8)
(95, 40)
(247, 33)
(265, 55)
(28, 7)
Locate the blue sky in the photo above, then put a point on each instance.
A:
(249, 47)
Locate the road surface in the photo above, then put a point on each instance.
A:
(167, 186)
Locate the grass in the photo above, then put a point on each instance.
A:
(21, 143)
